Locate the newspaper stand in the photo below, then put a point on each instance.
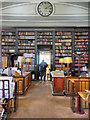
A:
(6, 100)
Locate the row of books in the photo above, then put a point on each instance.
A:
(65, 37)
(81, 40)
(81, 33)
(81, 49)
(8, 40)
(44, 37)
(80, 46)
(63, 51)
(6, 43)
(26, 47)
(63, 47)
(26, 37)
(63, 33)
(63, 40)
(81, 37)
(44, 33)
(63, 54)
(8, 33)
(81, 61)
(81, 43)
(82, 58)
(45, 43)
(27, 51)
(8, 47)
(64, 44)
(41, 40)
(26, 33)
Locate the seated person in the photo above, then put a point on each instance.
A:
(83, 74)
(7, 72)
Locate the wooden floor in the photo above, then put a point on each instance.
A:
(38, 102)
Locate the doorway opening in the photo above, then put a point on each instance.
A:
(47, 57)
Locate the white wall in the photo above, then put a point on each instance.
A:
(25, 14)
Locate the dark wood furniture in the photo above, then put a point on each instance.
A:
(23, 82)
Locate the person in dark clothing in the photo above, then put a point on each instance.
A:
(43, 66)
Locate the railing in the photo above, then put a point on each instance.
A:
(77, 86)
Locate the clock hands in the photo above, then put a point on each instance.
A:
(47, 7)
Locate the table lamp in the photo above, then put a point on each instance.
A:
(28, 60)
(61, 60)
(21, 59)
(68, 60)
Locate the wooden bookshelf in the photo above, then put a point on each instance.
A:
(8, 41)
(62, 42)
(26, 42)
(44, 38)
(81, 45)
(63, 46)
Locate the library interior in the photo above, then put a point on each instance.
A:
(44, 59)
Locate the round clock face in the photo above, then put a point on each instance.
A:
(45, 9)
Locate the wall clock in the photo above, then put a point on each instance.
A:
(45, 8)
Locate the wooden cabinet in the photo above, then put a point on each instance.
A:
(58, 85)
(57, 82)
(23, 82)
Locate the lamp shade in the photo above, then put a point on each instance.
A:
(68, 60)
(61, 60)
(21, 59)
(28, 59)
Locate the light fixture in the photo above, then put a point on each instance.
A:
(61, 60)
(68, 60)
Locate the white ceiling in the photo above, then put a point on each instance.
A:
(25, 14)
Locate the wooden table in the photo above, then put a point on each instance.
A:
(86, 97)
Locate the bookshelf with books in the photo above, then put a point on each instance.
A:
(8, 41)
(81, 46)
(62, 42)
(63, 47)
(44, 38)
(26, 44)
